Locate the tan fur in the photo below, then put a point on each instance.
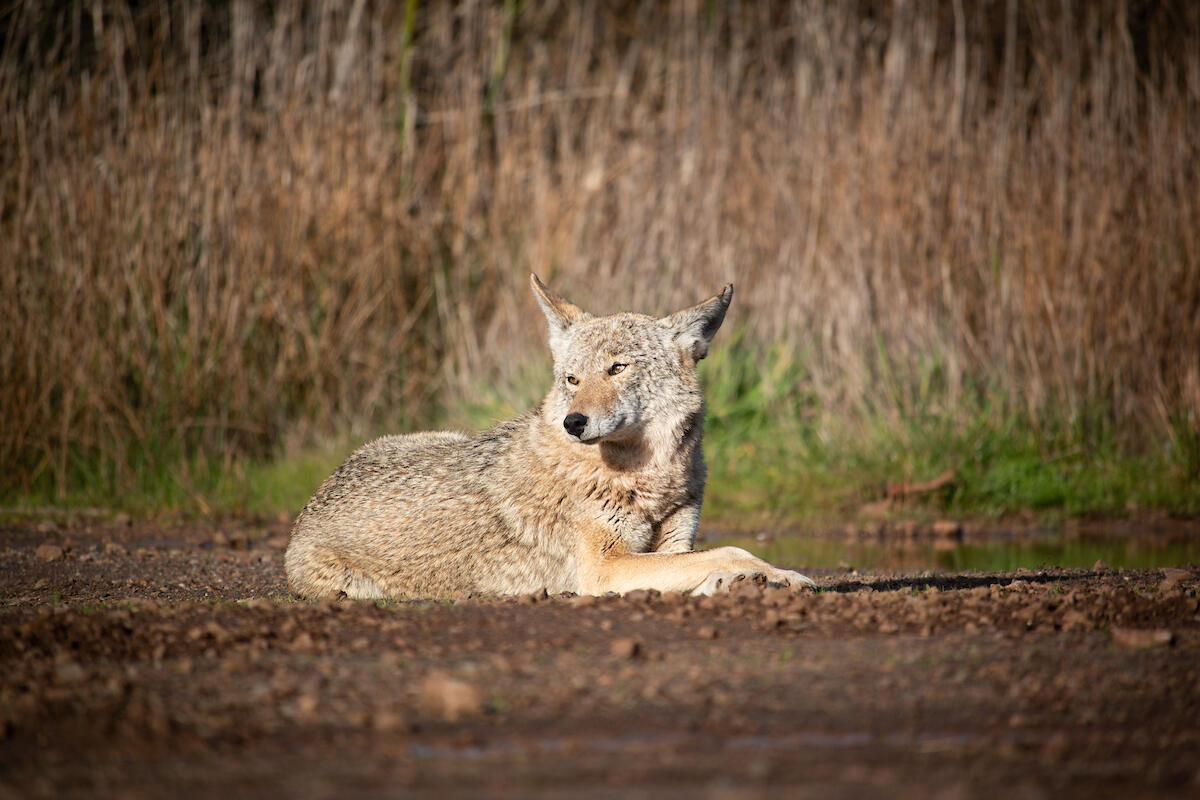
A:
(529, 505)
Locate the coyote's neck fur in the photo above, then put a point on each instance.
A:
(649, 474)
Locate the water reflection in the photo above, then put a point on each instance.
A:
(993, 553)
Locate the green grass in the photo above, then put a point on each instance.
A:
(193, 484)
(777, 457)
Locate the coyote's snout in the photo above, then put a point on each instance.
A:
(597, 489)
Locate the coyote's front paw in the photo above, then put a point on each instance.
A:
(724, 581)
(793, 580)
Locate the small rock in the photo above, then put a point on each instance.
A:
(533, 597)
(1172, 577)
(387, 721)
(303, 643)
(69, 672)
(626, 647)
(50, 552)
(449, 698)
(1056, 747)
(1075, 620)
(306, 704)
(1141, 639)
(638, 596)
(1099, 566)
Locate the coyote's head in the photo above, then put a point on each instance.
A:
(626, 375)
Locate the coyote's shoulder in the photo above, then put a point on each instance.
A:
(598, 488)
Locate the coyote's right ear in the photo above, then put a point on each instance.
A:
(560, 312)
(696, 326)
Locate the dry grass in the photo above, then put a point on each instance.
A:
(233, 228)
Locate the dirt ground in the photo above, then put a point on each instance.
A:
(168, 660)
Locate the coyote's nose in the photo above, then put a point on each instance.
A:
(575, 423)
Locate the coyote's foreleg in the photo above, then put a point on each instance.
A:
(702, 571)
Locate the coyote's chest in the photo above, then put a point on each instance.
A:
(631, 505)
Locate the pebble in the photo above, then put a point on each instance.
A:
(449, 698)
(1141, 639)
(1172, 576)
(626, 647)
(50, 552)
(302, 643)
(69, 672)
(387, 721)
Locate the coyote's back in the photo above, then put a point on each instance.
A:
(597, 489)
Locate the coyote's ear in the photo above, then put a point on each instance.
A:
(560, 312)
(696, 326)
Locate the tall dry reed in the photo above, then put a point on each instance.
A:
(234, 225)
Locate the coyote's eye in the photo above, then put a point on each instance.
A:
(616, 368)
(571, 379)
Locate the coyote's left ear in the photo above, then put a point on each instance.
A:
(560, 312)
(696, 326)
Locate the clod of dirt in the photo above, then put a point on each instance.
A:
(50, 552)
(1172, 577)
(626, 647)
(534, 597)
(448, 698)
(387, 721)
(303, 643)
(1141, 639)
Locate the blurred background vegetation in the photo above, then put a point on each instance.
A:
(239, 238)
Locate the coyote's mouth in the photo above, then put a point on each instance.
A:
(622, 431)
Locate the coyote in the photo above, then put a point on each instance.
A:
(597, 489)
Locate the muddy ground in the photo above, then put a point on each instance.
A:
(168, 660)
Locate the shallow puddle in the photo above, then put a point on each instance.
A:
(1000, 552)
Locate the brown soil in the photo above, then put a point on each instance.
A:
(169, 660)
